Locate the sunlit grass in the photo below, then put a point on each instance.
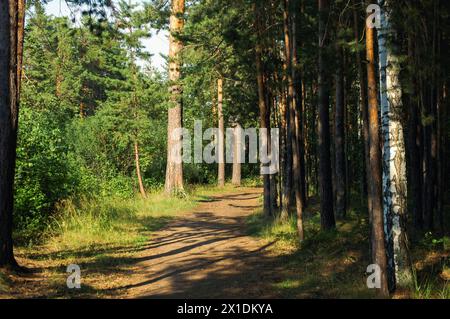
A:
(103, 236)
(332, 264)
(283, 233)
(432, 289)
(93, 222)
(4, 283)
(327, 264)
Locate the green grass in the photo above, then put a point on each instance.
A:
(255, 181)
(283, 232)
(325, 265)
(432, 289)
(4, 283)
(85, 223)
(332, 264)
(103, 236)
(92, 222)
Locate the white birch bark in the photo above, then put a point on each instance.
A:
(393, 162)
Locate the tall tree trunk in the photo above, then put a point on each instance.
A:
(339, 138)
(441, 156)
(273, 122)
(325, 179)
(284, 178)
(440, 140)
(221, 168)
(20, 39)
(8, 126)
(237, 145)
(262, 100)
(287, 149)
(377, 229)
(428, 184)
(363, 107)
(304, 143)
(138, 170)
(414, 145)
(292, 109)
(174, 170)
(433, 197)
(394, 168)
(299, 98)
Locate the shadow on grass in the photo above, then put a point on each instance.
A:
(327, 264)
(198, 261)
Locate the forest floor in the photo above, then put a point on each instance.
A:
(203, 252)
(221, 248)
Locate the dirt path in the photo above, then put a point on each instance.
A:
(204, 254)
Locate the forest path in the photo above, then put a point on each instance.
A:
(205, 254)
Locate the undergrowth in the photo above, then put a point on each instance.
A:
(332, 264)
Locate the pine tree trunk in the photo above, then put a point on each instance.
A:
(304, 144)
(138, 170)
(441, 169)
(8, 126)
(363, 107)
(237, 145)
(394, 168)
(284, 179)
(262, 102)
(339, 138)
(20, 39)
(174, 170)
(291, 106)
(286, 151)
(434, 94)
(272, 120)
(414, 146)
(377, 227)
(221, 146)
(439, 123)
(299, 100)
(325, 179)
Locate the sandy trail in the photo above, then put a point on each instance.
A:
(205, 254)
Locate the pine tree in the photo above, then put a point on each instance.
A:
(325, 180)
(377, 226)
(174, 170)
(8, 125)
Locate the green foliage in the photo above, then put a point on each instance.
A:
(41, 174)
(88, 96)
(84, 102)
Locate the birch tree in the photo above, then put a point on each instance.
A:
(393, 162)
